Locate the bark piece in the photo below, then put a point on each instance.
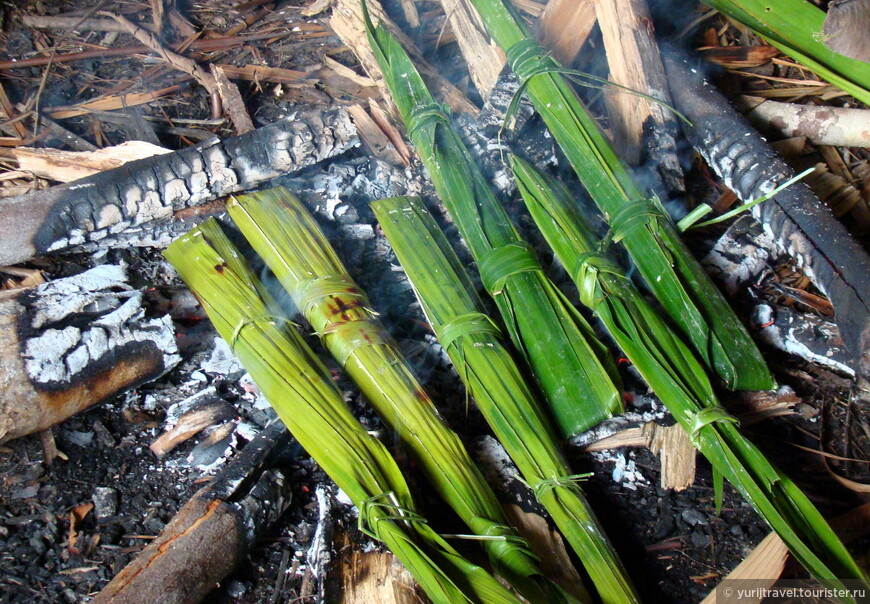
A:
(152, 189)
(212, 532)
(565, 26)
(845, 28)
(233, 103)
(74, 23)
(73, 342)
(645, 129)
(839, 126)
(374, 137)
(797, 222)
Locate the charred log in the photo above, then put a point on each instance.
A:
(737, 261)
(212, 532)
(798, 223)
(152, 189)
(73, 342)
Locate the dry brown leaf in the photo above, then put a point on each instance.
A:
(739, 57)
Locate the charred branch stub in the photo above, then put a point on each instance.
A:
(212, 532)
(797, 222)
(152, 189)
(72, 343)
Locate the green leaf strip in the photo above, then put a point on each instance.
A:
(499, 263)
(677, 377)
(707, 416)
(464, 325)
(575, 371)
(673, 275)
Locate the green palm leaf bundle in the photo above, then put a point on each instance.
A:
(574, 370)
(496, 383)
(288, 239)
(679, 380)
(304, 396)
(670, 271)
(795, 27)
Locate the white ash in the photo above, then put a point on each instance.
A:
(359, 232)
(803, 335)
(340, 191)
(319, 552)
(90, 291)
(740, 255)
(60, 352)
(344, 499)
(105, 503)
(248, 430)
(178, 409)
(625, 471)
(216, 447)
(222, 360)
(649, 409)
(495, 462)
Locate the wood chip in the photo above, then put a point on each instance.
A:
(549, 546)
(670, 443)
(315, 8)
(739, 57)
(385, 123)
(373, 137)
(347, 23)
(112, 102)
(190, 424)
(365, 577)
(644, 129)
(565, 26)
(484, 59)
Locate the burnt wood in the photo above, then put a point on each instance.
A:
(72, 343)
(154, 188)
(799, 224)
(212, 532)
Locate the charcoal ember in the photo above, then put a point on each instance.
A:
(693, 517)
(105, 503)
(153, 189)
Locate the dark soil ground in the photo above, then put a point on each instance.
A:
(674, 543)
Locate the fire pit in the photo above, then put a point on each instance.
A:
(140, 459)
